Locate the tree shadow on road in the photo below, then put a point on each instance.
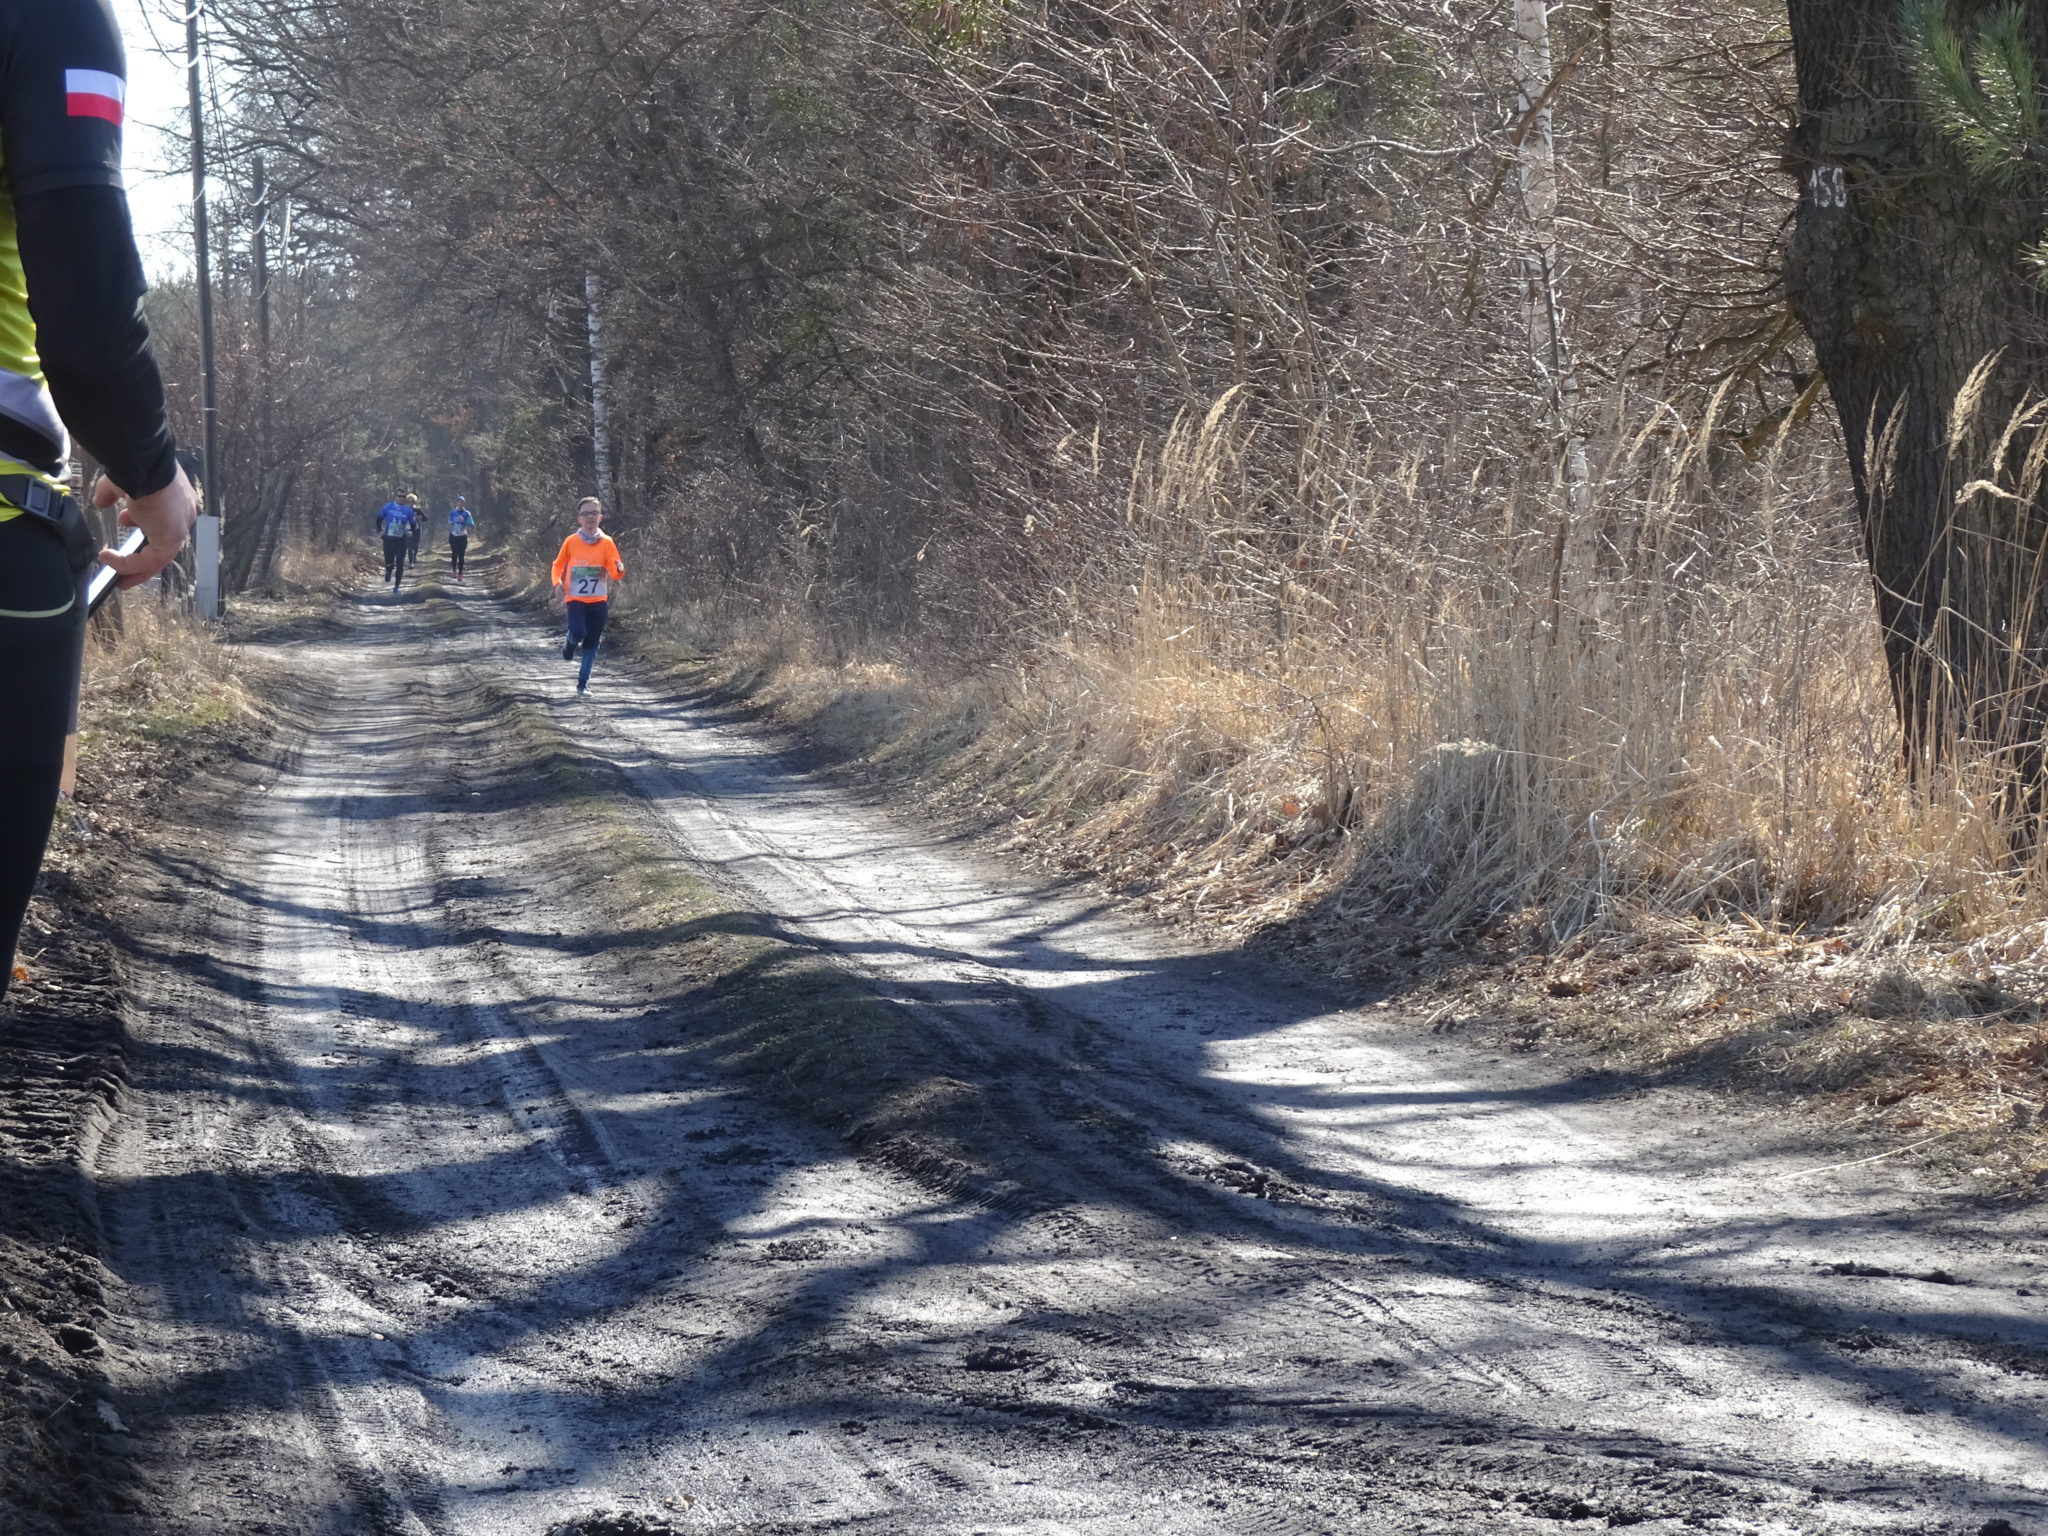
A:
(602, 1138)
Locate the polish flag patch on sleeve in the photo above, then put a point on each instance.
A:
(94, 93)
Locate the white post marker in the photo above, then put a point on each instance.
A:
(206, 567)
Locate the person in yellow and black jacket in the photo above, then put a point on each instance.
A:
(74, 351)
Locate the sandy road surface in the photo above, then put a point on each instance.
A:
(430, 1223)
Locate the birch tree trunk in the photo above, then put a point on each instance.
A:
(1543, 304)
(600, 409)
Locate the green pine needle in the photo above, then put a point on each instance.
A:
(1983, 92)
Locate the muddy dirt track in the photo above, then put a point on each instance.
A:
(444, 1199)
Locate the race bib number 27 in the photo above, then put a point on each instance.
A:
(588, 581)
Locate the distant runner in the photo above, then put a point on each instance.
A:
(419, 523)
(396, 520)
(584, 574)
(461, 524)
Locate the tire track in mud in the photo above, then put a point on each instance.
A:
(363, 1418)
(428, 1196)
(269, 1171)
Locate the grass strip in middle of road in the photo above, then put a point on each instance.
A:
(753, 1000)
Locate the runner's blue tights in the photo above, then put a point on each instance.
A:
(586, 628)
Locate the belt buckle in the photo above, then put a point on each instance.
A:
(34, 497)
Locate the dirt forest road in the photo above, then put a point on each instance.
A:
(444, 1200)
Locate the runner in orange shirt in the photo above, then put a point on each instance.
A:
(584, 574)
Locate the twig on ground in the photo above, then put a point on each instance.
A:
(1800, 1173)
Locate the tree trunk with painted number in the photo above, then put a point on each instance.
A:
(1908, 272)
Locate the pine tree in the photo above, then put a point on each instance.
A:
(1982, 91)
(1918, 139)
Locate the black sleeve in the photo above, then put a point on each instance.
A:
(85, 291)
(63, 85)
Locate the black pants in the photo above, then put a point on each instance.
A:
(458, 546)
(42, 648)
(394, 558)
(412, 545)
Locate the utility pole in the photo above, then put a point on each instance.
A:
(206, 533)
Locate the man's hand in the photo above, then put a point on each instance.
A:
(165, 516)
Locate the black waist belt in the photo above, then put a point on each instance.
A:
(59, 509)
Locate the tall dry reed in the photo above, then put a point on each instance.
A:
(1368, 691)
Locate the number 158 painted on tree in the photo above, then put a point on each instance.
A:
(1828, 186)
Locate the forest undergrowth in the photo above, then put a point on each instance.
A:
(1658, 808)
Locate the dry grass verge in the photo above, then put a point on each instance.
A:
(160, 694)
(303, 567)
(1655, 806)
(157, 675)
(1915, 1033)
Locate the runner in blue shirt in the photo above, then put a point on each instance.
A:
(461, 524)
(396, 520)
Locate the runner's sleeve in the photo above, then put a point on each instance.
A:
(63, 86)
(85, 291)
(559, 571)
(63, 83)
